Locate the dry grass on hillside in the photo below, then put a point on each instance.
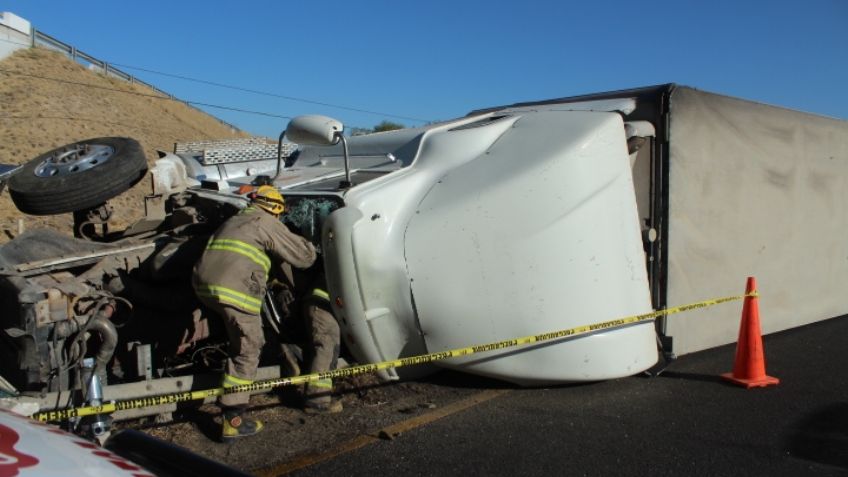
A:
(37, 115)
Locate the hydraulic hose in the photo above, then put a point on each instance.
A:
(101, 323)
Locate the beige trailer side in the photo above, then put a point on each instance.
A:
(753, 190)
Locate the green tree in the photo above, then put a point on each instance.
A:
(387, 126)
(360, 131)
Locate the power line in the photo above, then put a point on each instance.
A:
(273, 95)
(18, 117)
(136, 93)
(258, 92)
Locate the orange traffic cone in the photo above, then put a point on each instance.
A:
(749, 368)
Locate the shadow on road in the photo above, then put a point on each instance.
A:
(708, 378)
(822, 436)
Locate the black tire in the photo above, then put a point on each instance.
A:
(78, 176)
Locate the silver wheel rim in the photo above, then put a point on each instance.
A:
(74, 159)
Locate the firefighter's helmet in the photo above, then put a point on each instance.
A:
(269, 199)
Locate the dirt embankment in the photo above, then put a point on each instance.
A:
(47, 100)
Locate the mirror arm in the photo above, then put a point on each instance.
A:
(345, 183)
(279, 155)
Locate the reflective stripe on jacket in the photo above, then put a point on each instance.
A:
(242, 248)
(320, 294)
(235, 266)
(226, 295)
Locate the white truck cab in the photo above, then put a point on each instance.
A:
(485, 228)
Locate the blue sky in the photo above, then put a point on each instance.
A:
(440, 59)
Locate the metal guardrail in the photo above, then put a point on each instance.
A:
(38, 38)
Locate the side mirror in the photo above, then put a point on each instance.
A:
(314, 130)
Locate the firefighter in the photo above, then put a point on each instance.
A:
(231, 278)
(325, 340)
(305, 303)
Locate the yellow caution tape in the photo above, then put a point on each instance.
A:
(174, 398)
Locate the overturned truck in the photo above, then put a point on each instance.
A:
(511, 221)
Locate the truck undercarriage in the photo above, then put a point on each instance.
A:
(125, 300)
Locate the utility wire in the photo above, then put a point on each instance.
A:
(136, 93)
(134, 127)
(273, 95)
(253, 91)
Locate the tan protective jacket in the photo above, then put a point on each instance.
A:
(235, 265)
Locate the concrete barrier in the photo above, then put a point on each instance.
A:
(15, 33)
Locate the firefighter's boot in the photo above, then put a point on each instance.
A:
(318, 398)
(332, 406)
(235, 426)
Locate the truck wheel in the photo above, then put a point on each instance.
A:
(78, 176)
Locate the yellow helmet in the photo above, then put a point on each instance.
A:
(269, 199)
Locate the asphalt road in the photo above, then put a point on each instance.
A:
(684, 422)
